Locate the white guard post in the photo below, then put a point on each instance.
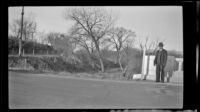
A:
(143, 62)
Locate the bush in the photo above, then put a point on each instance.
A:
(108, 64)
(45, 64)
(19, 63)
(133, 61)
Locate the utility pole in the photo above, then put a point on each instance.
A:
(20, 39)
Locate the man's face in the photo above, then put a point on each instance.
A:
(160, 47)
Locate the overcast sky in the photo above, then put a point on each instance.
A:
(162, 22)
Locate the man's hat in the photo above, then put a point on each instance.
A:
(160, 44)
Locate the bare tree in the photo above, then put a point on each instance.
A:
(61, 42)
(15, 29)
(91, 23)
(120, 38)
(126, 49)
(42, 37)
(64, 44)
(29, 28)
(82, 41)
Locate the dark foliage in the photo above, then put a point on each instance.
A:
(46, 63)
(29, 46)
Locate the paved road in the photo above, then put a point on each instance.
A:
(177, 77)
(50, 91)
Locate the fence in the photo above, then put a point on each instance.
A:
(33, 52)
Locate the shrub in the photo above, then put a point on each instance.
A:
(45, 63)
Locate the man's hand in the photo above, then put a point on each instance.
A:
(154, 63)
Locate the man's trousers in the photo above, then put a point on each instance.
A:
(160, 73)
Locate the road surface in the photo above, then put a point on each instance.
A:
(28, 90)
(177, 77)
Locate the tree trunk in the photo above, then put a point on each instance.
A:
(91, 62)
(74, 58)
(90, 57)
(92, 47)
(119, 61)
(99, 55)
(120, 65)
(32, 36)
(100, 60)
(124, 72)
(102, 66)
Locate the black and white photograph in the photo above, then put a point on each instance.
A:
(95, 57)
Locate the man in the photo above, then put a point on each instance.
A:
(160, 62)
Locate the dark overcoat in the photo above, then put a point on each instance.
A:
(162, 60)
